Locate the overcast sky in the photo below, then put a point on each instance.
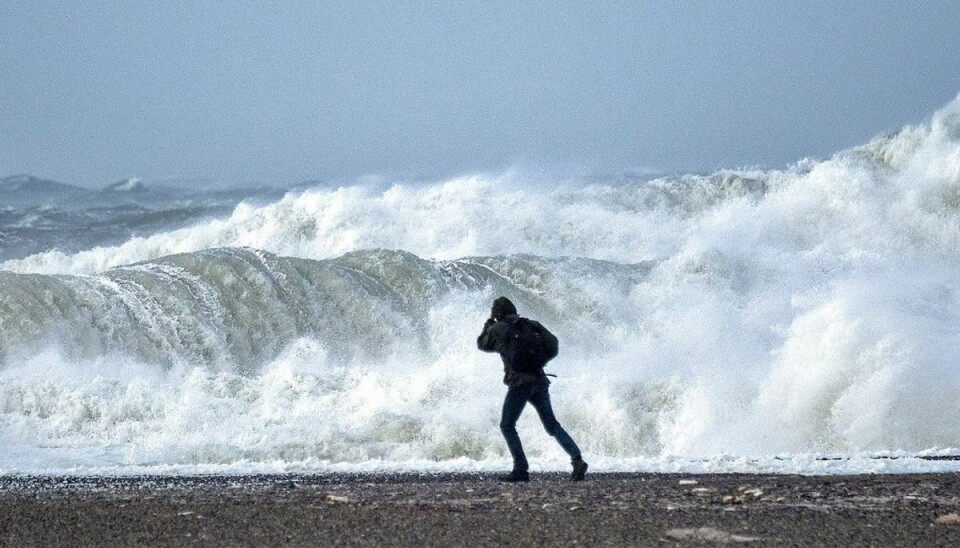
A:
(286, 91)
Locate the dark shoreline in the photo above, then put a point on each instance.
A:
(477, 510)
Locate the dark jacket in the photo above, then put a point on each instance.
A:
(493, 338)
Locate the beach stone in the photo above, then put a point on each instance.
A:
(708, 534)
(948, 519)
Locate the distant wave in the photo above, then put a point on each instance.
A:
(468, 216)
(866, 199)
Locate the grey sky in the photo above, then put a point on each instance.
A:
(286, 91)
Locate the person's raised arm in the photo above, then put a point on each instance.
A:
(485, 341)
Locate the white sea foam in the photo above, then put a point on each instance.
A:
(466, 216)
(770, 318)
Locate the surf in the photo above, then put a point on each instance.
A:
(806, 311)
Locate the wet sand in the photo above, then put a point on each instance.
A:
(476, 510)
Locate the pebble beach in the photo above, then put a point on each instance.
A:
(476, 510)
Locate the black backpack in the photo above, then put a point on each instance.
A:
(529, 346)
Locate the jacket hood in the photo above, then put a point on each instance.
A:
(502, 307)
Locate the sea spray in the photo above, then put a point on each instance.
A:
(806, 310)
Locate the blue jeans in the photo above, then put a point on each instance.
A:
(538, 394)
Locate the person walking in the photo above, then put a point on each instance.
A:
(525, 346)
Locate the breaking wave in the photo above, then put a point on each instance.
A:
(811, 309)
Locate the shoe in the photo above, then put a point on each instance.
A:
(516, 476)
(579, 470)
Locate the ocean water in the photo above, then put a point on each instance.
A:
(799, 320)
